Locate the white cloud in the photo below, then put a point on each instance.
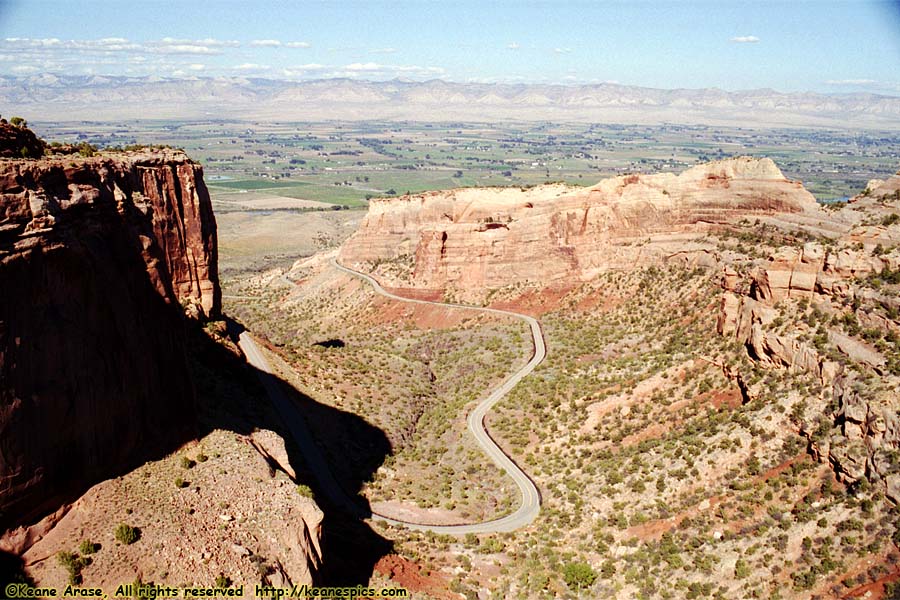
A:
(119, 44)
(303, 70)
(183, 49)
(266, 43)
(745, 39)
(562, 50)
(196, 67)
(297, 45)
(371, 67)
(219, 43)
(251, 67)
(851, 82)
(383, 51)
(207, 46)
(24, 69)
(513, 46)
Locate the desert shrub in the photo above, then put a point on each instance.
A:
(804, 580)
(579, 575)
(88, 547)
(85, 149)
(126, 534)
(73, 565)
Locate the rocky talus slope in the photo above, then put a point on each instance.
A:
(471, 240)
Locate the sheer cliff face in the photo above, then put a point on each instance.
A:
(475, 239)
(99, 258)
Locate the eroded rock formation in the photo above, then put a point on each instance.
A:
(859, 431)
(99, 258)
(19, 142)
(474, 239)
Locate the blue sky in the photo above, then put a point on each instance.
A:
(824, 46)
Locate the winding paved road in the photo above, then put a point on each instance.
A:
(531, 500)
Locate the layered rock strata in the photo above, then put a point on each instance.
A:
(482, 238)
(99, 259)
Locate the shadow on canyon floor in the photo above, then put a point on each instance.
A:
(231, 397)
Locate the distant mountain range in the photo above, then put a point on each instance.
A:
(53, 97)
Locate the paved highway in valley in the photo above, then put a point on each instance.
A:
(530, 498)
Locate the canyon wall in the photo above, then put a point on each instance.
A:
(480, 238)
(100, 258)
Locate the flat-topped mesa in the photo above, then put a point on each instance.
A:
(481, 238)
(99, 258)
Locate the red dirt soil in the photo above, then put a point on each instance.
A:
(654, 530)
(875, 590)
(409, 575)
(424, 316)
(535, 303)
(417, 294)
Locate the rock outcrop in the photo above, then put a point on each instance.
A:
(19, 142)
(99, 258)
(475, 239)
(868, 435)
(859, 431)
(810, 273)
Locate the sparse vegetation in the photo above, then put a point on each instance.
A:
(88, 547)
(126, 534)
(73, 565)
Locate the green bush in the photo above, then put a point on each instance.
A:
(579, 575)
(88, 547)
(73, 565)
(85, 149)
(126, 534)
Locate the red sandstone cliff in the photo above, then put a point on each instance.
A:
(481, 238)
(97, 258)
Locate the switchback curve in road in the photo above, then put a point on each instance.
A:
(530, 497)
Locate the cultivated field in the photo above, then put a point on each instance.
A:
(343, 164)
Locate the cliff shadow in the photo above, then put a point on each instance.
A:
(100, 372)
(231, 397)
(12, 570)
